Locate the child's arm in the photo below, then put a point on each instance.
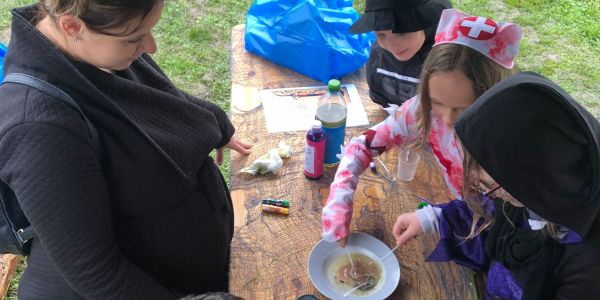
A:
(453, 221)
(398, 128)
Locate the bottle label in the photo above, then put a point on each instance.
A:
(335, 138)
(333, 118)
(313, 158)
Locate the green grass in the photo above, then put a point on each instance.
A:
(5, 7)
(14, 281)
(561, 41)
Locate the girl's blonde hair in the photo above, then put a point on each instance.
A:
(478, 68)
(473, 199)
(99, 15)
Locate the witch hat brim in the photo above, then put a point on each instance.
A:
(400, 17)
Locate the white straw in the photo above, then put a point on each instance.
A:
(388, 175)
(364, 283)
(354, 289)
(388, 254)
(352, 270)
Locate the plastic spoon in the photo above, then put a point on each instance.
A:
(352, 268)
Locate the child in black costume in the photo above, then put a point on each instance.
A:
(532, 190)
(405, 32)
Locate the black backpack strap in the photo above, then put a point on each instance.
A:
(57, 93)
(25, 234)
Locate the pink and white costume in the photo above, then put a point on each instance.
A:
(356, 157)
(498, 41)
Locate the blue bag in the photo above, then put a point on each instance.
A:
(3, 50)
(310, 37)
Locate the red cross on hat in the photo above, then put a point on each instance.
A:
(478, 28)
(499, 41)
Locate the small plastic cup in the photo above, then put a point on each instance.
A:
(407, 164)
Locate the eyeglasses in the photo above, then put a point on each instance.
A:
(488, 192)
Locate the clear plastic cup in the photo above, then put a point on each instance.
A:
(407, 164)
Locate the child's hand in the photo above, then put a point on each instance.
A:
(342, 242)
(407, 226)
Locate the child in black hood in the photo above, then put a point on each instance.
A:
(532, 158)
(405, 32)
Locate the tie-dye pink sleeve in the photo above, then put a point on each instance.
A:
(393, 131)
(399, 128)
(337, 213)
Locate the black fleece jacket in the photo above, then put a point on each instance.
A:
(148, 217)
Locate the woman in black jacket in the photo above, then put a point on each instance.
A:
(148, 216)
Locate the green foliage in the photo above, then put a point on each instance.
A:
(14, 281)
(5, 8)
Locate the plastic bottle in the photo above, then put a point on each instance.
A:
(314, 151)
(332, 113)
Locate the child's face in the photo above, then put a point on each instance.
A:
(487, 183)
(451, 93)
(402, 45)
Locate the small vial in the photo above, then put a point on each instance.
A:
(275, 209)
(314, 151)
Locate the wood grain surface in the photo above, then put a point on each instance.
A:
(8, 266)
(269, 252)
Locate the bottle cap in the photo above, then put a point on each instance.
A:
(422, 204)
(334, 85)
(316, 124)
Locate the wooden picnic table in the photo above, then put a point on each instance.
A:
(269, 252)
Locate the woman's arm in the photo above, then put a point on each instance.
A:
(58, 181)
(399, 128)
(225, 126)
(227, 129)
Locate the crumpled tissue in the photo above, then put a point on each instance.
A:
(271, 161)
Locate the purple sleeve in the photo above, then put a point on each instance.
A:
(455, 224)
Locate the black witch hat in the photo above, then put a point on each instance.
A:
(400, 16)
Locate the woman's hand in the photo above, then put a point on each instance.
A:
(236, 145)
(407, 226)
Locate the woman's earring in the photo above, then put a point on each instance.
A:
(75, 39)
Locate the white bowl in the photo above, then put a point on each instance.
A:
(324, 253)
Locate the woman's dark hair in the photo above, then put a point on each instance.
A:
(100, 15)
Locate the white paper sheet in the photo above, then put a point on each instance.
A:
(294, 109)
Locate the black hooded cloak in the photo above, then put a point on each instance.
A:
(542, 147)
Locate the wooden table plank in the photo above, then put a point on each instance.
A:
(8, 266)
(269, 252)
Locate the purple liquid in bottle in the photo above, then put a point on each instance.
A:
(314, 152)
